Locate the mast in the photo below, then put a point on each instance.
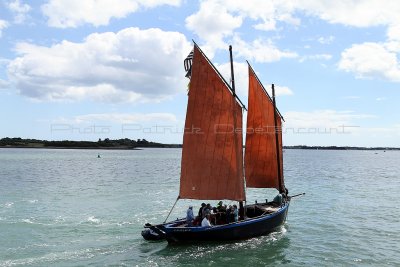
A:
(278, 160)
(241, 207)
(232, 73)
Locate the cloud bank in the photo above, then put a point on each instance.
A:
(74, 13)
(130, 65)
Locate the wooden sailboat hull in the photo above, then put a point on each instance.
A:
(248, 228)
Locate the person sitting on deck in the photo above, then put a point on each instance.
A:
(207, 210)
(220, 207)
(206, 221)
(200, 214)
(219, 213)
(189, 216)
(235, 213)
(214, 210)
(228, 214)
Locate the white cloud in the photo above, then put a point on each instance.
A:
(332, 127)
(353, 13)
(3, 25)
(380, 98)
(99, 92)
(130, 65)
(266, 14)
(393, 33)
(19, 9)
(122, 118)
(73, 13)
(242, 80)
(261, 51)
(370, 60)
(280, 90)
(366, 60)
(323, 119)
(321, 56)
(4, 84)
(212, 23)
(326, 40)
(241, 76)
(356, 13)
(392, 132)
(218, 19)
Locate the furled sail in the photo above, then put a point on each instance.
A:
(261, 158)
(212, 154)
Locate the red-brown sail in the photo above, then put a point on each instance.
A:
(212, 154)
(261, 154)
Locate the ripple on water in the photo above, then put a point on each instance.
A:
(55, 210)
(7, 205)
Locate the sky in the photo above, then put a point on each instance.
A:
(84, 70)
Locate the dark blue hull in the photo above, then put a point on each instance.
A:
(251, 227)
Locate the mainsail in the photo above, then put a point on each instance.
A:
(212, 154)
(261, 154)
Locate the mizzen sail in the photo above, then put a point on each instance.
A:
(212, 159)
(261, 158)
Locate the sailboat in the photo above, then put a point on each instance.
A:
(213, 166)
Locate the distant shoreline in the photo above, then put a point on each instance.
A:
(340, 148)
(128, 144)
(92, 148)
(180, 146)
(107, 144)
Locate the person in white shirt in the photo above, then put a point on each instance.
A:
(206, 221)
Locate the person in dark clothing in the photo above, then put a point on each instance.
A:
(207, 210)
(228, 214)
(200, 214)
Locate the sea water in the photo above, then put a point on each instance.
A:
(64, 207)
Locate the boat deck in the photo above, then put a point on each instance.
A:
(252, 211)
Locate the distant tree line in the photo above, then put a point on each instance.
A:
(340, 148)
(125, 143)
